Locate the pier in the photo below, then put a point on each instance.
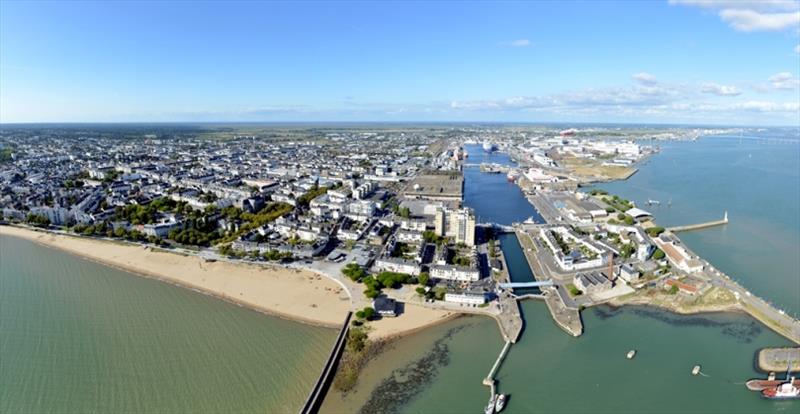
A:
(700, 226)
(489, 380)
(320, 388)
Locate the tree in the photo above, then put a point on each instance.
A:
(655, 231)
(372, 293)
(38, 220)
(369, 313)
(439, 293)
(658, 254)
(627, 250)
(356, 339)
(354, 272)
(424, 278)
(404, 212)
(420, 290)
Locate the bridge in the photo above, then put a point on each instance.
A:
(321, 386)
(514, 285)
(699, 226)
(501, 228)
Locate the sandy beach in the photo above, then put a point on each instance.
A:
(294, 294)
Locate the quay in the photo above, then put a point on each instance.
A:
(700, 226)
(567, 318)
(317, 394)
(778, 359)
(510, 317)
(761, 310)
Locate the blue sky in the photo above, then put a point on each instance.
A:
(678, 61)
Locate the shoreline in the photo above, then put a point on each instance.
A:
(311, 297)
(62, 243)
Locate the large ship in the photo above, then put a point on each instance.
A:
(489, 146)
(786, 390)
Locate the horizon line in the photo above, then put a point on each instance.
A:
(329, 122)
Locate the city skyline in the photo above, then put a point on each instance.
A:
(671, 62)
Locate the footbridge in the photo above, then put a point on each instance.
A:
(514, 285)
(699, 226)
(321, 386)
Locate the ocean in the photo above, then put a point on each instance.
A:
(77, 336)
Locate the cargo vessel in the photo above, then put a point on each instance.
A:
(785, 390)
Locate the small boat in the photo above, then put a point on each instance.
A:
(500, 403)
(696, 370)
(490, 407)
(651, 202)
(631, 354)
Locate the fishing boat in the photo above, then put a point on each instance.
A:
(631, 354)
(786, 390)
(500, 403)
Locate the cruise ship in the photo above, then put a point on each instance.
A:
(489, 146)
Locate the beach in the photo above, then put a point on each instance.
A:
(300, 295)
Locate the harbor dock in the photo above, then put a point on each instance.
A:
(489, 380)
(700, 226)
(778, 359)
(567, 318)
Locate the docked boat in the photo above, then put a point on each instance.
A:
(500, 403)
(763, 384)
(512, 176)
(786, 390)
(489, 146)
(631, 354)
(490, 407)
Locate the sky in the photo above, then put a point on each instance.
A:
(710, 62)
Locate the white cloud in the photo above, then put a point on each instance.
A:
(645, 78)
(797, 49)
(762, 5)
(752, 21)
(720, 90)
(517, 43)
(751, 16)
(784, 81)
(769, 106)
